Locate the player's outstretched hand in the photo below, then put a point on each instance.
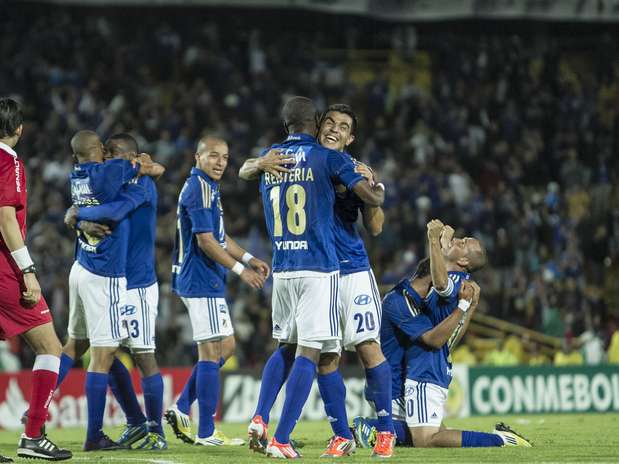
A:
(148, 167)
(252, 278)
(274, 163)
(94, 228)
(260, 267)
(365, 171)
(435, 227)
(70, 217)
(32, 295)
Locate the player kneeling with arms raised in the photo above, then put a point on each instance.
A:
(423, 319)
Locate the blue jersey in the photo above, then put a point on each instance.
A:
(423, 363)
(94, 184)
(349, 245)
(299, 207)
(140, 268)
(403, 322)
(194, 273)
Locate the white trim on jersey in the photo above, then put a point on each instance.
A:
(206, 192)
(8, 149)
(451, 281)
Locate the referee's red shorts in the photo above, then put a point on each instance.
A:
(15, 318)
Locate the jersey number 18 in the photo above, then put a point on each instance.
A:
(296, 220)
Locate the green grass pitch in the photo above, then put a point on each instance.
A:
(556, 438)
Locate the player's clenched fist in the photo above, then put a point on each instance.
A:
(476, 292)
(252, 278)
(467, 291)
(365, 171)
(435, 227)
(447, 236)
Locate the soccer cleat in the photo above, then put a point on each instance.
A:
(153, 441)
(339, 447)
(383, 448)
(209, 441)
(258, 435)
(281, 451)
(510, 437)
(364, 433)
(228, 441)
(41, 448)
(180, 423)
(5, 459)
(132, 434)
(104, 443)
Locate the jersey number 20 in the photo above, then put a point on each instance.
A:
(296, 220)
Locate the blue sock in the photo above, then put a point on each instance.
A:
(379, 384)
(188, 396)
(207, 386)
(480, 439)
(153, 401)
(66, 363)
(333, 393)
(297, 390)
(274, 375)
(122, 387)
(96, 388)
(402, 432)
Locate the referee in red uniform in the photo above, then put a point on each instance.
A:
(23, 311)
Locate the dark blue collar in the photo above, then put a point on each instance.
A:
(200, 173)
(301, 138)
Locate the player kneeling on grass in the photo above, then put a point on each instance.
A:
(423, 319)
(202, 257)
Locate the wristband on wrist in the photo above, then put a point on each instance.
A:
(247, 257)
(464, 305)
(238, 268)
(22, 258)
(30, 270)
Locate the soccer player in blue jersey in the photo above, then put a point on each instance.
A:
(423, 318)
(299, 212)
(202, 257)
(142, 303)
(97, 281)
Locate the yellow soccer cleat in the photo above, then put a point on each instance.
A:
(510, 437)
(219, 435)
(180, 423)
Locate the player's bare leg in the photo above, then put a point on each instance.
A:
(34, 443)
(75, 349)
(442, 437)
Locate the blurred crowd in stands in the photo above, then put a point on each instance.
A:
(509, 135)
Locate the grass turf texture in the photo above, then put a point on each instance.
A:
(556, 438)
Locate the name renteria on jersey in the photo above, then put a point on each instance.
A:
(295, 174)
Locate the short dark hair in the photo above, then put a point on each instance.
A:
(423, 269)
(11, 117)
(299, 113)
(130, 142)
(345, 109)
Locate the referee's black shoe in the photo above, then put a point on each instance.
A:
(41, 448)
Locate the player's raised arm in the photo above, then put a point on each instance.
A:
(438, 267)
(273, 163)
(241, 254)
(148, 167)
(213, 249)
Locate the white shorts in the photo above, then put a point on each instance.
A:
(425, 404)
(95, 307)
(210, 318)
(398, 409)
(305, 310)
(141, 315)
(360, 309)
